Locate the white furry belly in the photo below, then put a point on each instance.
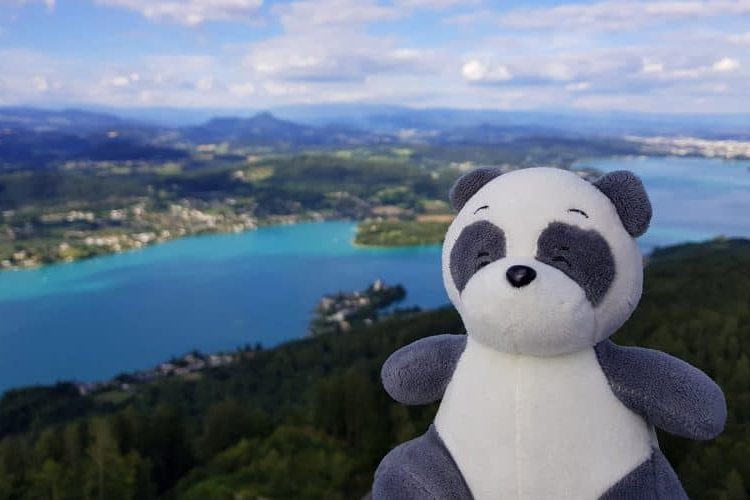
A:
(524, 427)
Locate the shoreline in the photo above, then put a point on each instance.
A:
(185, 368)
(258, 224)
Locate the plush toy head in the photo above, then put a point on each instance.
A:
(539, 261)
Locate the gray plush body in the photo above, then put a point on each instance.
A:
(537, 402)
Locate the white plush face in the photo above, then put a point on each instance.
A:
(586, 270)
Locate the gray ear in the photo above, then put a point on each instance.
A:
(629, 197)
(468, 184)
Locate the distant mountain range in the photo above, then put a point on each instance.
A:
(265, 129)
(567, 122)
(69, 120)
(31, 136)
(393, 119)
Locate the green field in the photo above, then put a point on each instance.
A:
(400, 233)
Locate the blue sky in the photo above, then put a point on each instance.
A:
(635, 55)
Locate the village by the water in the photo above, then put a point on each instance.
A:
(334, 313)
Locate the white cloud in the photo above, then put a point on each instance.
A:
(651, 68)
(556, 71)
(327, 41)
(205, 84)
(725, 65)
(660, 71)
(277, 89)
(243, 89)
(435, 4)
(40, 83)
(122, 80)
(545, 69)
(335, 55)
(318, 51)
(306, 14)
(190, 12)
(740, 39)
(479, 72)
(326, 54)
(303, 15)
(620, 15)
(578, 87)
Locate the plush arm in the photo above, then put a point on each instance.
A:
(668, 392)
(419, 373)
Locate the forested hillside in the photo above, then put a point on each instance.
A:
(309, 419)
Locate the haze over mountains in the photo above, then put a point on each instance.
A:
(31, 135)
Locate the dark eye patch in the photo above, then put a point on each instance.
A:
(478, 245)
(583, 255)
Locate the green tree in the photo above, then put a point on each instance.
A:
(110, 475)
(228, 422)
(734, 487)
(6, 483)
(49, 481)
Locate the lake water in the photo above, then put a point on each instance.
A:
(694, 199)
(92, 319)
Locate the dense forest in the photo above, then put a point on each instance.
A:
(309, 419)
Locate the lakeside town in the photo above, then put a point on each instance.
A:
(336, 313)
(340, 312)
(69, 235)
(184, 366)
(71, 231)
(694, 146)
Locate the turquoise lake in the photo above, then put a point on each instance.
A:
(91, 320)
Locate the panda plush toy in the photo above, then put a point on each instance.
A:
(537, 402)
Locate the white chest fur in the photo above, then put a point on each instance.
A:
(524, 427)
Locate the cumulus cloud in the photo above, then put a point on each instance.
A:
(659, 70)
(189, 12)
(556, 68)
(725, 65)
(122, 80)
(317, 51)
(326, 41)
(30, 76)
(479, 72)
(334, 56)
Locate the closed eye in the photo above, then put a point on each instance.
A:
(483, 259)
(560, 258)
(578, 211)
(481, 208)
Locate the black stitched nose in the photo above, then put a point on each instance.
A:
(519, 276)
